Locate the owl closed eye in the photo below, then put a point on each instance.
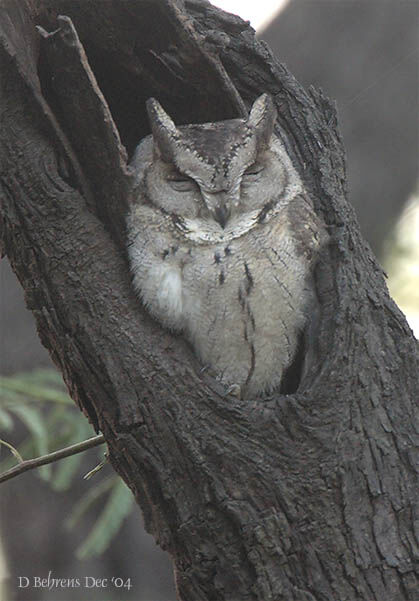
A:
(217, 171)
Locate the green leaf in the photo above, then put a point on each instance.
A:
(65, 472)
(117, 507)
(35, 422)
(24, 385)
(44, 376)
(87, 501)
(6, 422)
(67, 468)
(26, 449)
(12, 449)
(10, 397)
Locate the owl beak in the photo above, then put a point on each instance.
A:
(221, 214)
(219, 205)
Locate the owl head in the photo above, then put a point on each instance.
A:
(215, 171)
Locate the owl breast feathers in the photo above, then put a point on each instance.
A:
(222, 239)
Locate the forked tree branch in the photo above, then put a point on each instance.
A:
(31, 464)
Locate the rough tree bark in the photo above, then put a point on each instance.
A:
(309, 496)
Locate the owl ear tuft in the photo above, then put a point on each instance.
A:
(262, 119)
(166, 136)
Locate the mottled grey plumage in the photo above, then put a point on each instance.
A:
(222, 238)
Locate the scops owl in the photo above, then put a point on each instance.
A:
(222, 239)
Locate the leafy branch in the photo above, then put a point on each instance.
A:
(31, 464)
(38, 400)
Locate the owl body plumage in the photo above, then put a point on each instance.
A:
(222, 238)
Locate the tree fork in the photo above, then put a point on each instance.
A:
(311, 496)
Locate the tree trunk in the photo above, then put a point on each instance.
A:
(308, 496)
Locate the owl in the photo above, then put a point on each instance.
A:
(222, 239)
